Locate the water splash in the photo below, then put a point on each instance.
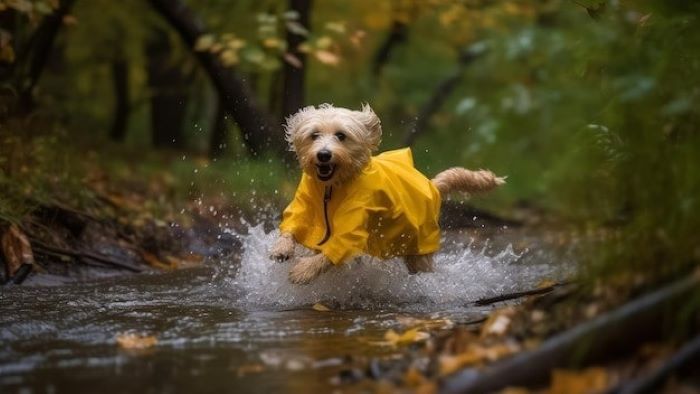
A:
(463, 273)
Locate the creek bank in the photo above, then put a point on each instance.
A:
(112, 238)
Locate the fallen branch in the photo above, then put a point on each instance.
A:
(82, 255)
(517, 294)
(589, 342)
(649, 383)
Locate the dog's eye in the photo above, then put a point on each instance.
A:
(340, 136)
(314, 136)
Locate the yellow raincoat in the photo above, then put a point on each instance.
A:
(390, 209)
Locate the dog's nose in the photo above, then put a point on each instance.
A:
(324, 155)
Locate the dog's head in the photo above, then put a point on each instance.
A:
(333, 144)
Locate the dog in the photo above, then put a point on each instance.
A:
(350, 203)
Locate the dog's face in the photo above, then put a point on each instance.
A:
(333, 144)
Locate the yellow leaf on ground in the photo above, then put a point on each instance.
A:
(476, 354)
(154, 261)
(249, 369)
(17, 249)
(320, 307)
(135, 341)
(408, 337)
(590, 380)
(425, 324)
(413, 378)
(450, 364)
(498, 323)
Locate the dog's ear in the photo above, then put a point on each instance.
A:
(372, 124)
(294, 122)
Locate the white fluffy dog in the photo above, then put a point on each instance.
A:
(351, 203)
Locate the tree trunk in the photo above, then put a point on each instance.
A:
(168, 88)
(8, 21)
(218, 142)
(259, 131)
(120, 81)
(294, 76)
(39, 51)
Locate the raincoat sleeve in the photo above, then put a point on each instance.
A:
(350, 233)
(298, 215)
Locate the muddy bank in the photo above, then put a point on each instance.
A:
(56, 243)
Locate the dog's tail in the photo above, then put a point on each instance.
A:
(457, 179)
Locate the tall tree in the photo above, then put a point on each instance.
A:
(168, 87)
(120, 82)
(39, 50)
(293, 72)
(259, 131)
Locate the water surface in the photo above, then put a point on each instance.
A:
(238, 326)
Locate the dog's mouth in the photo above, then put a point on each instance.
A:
(325, 171)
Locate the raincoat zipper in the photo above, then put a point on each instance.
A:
(326, 198)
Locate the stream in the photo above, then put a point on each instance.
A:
(237, 325)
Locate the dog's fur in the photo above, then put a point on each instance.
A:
(351, 137)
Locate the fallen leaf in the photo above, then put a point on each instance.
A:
(70, 20)
(133, 341)
(452, 363)
(154, 261)
(16, 249)
(427, 388)
(589, 380)
(249, 369)
(413, 377)
(476, 354)
(191, 260)
(408, 337)
(425, 324)
(498, 323)
(320, 307)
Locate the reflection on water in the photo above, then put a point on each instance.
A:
(239, 326)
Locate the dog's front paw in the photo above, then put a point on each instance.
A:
(307, 269)
(283, 249)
